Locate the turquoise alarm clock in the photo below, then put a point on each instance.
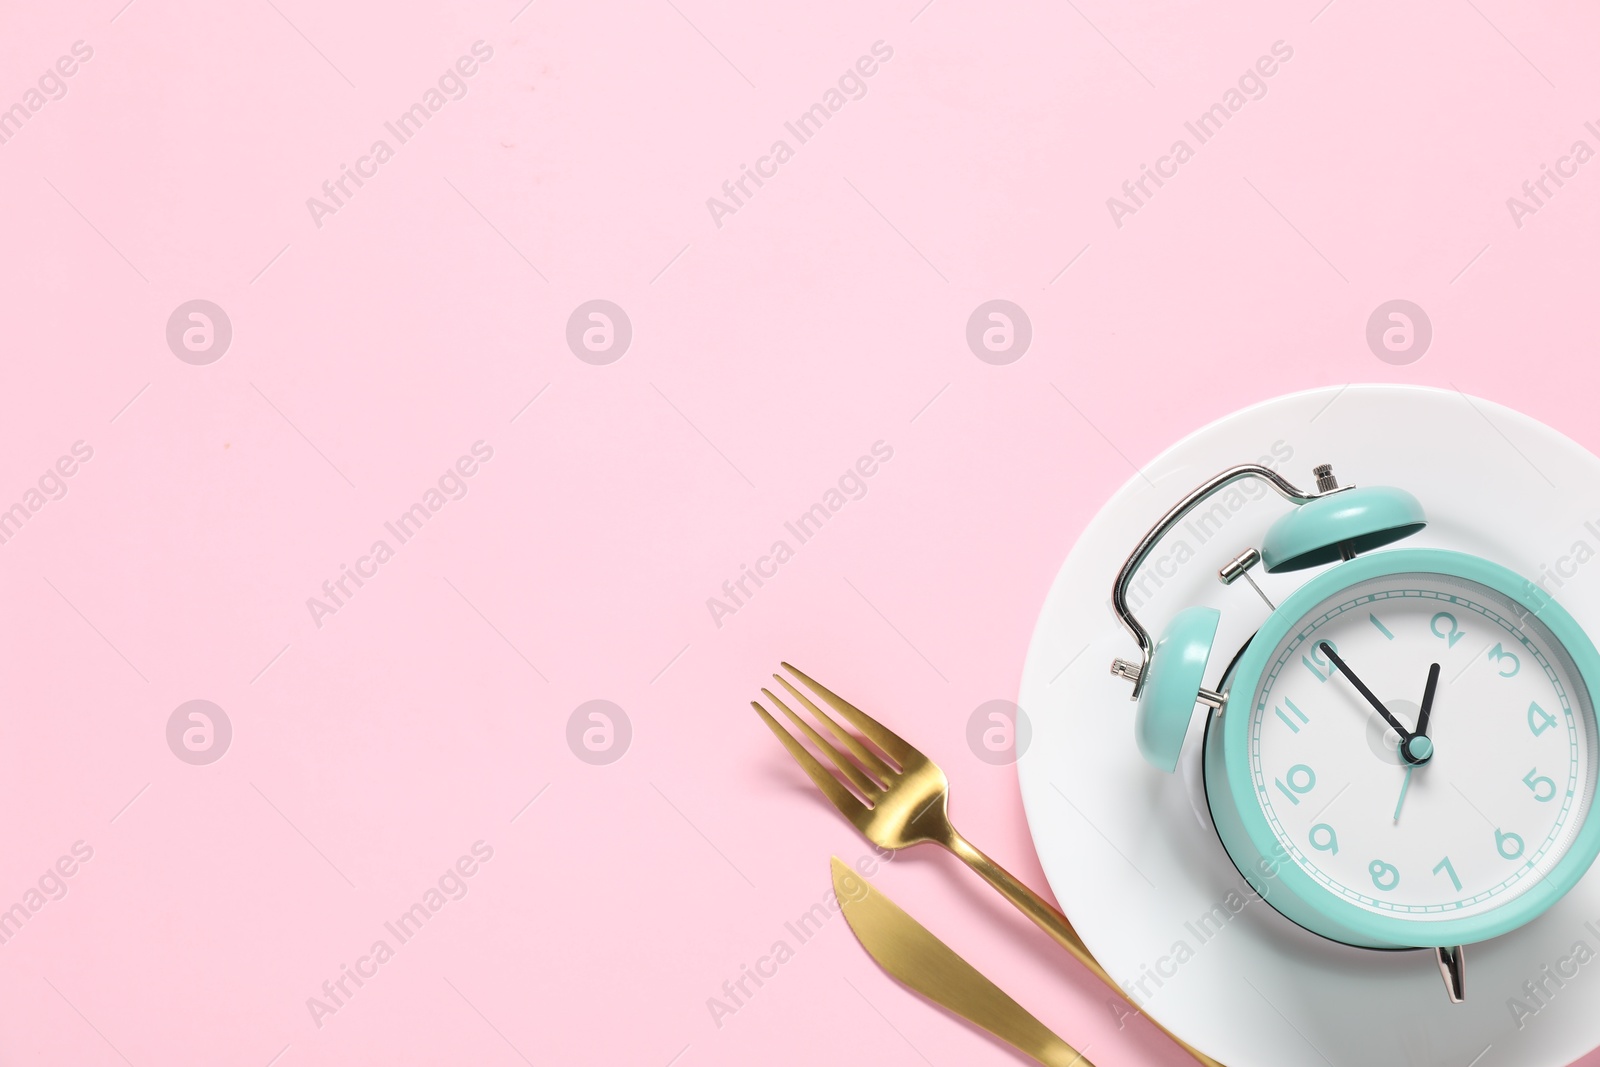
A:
(1403, 755)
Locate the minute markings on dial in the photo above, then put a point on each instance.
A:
(1454, 866)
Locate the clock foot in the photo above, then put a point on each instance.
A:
(1453, 967)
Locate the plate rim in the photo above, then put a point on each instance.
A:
(1033, 780)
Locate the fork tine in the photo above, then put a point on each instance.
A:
(866, 785)
(831, 787)
(869, 759)
(887, 740)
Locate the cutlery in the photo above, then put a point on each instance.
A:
(900, 798)
(917, 959)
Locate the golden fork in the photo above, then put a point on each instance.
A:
(903, 800)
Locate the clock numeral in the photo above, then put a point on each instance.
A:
(1382, 629)
(1539, 720)
(1448, 868)
(1498, 652)
(1510, 845)
(1317, 664)
(1329, 842)
(1301, 780)
(1298, 714)
(1384, 875)
(1452, 633)
(1542, 782)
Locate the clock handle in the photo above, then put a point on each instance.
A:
(1135, 672)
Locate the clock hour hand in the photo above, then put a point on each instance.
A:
(1427, 700)
(1361, 687)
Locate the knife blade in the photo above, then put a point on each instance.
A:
(917, 959)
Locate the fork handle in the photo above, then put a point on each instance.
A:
(1051, 921)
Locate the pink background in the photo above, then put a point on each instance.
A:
(827, 313)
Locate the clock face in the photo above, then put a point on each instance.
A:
(1495, 804)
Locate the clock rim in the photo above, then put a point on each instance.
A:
(1331, 915)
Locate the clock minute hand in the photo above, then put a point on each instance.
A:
(1361, 687)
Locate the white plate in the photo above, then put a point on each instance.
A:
(1121, 843)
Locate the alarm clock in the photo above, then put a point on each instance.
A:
(1403, 755)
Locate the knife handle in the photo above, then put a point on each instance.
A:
(1051, 921)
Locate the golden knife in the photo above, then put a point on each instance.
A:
(920, 961)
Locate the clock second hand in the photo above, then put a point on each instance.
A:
(1405, 785)
(1422, 732)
